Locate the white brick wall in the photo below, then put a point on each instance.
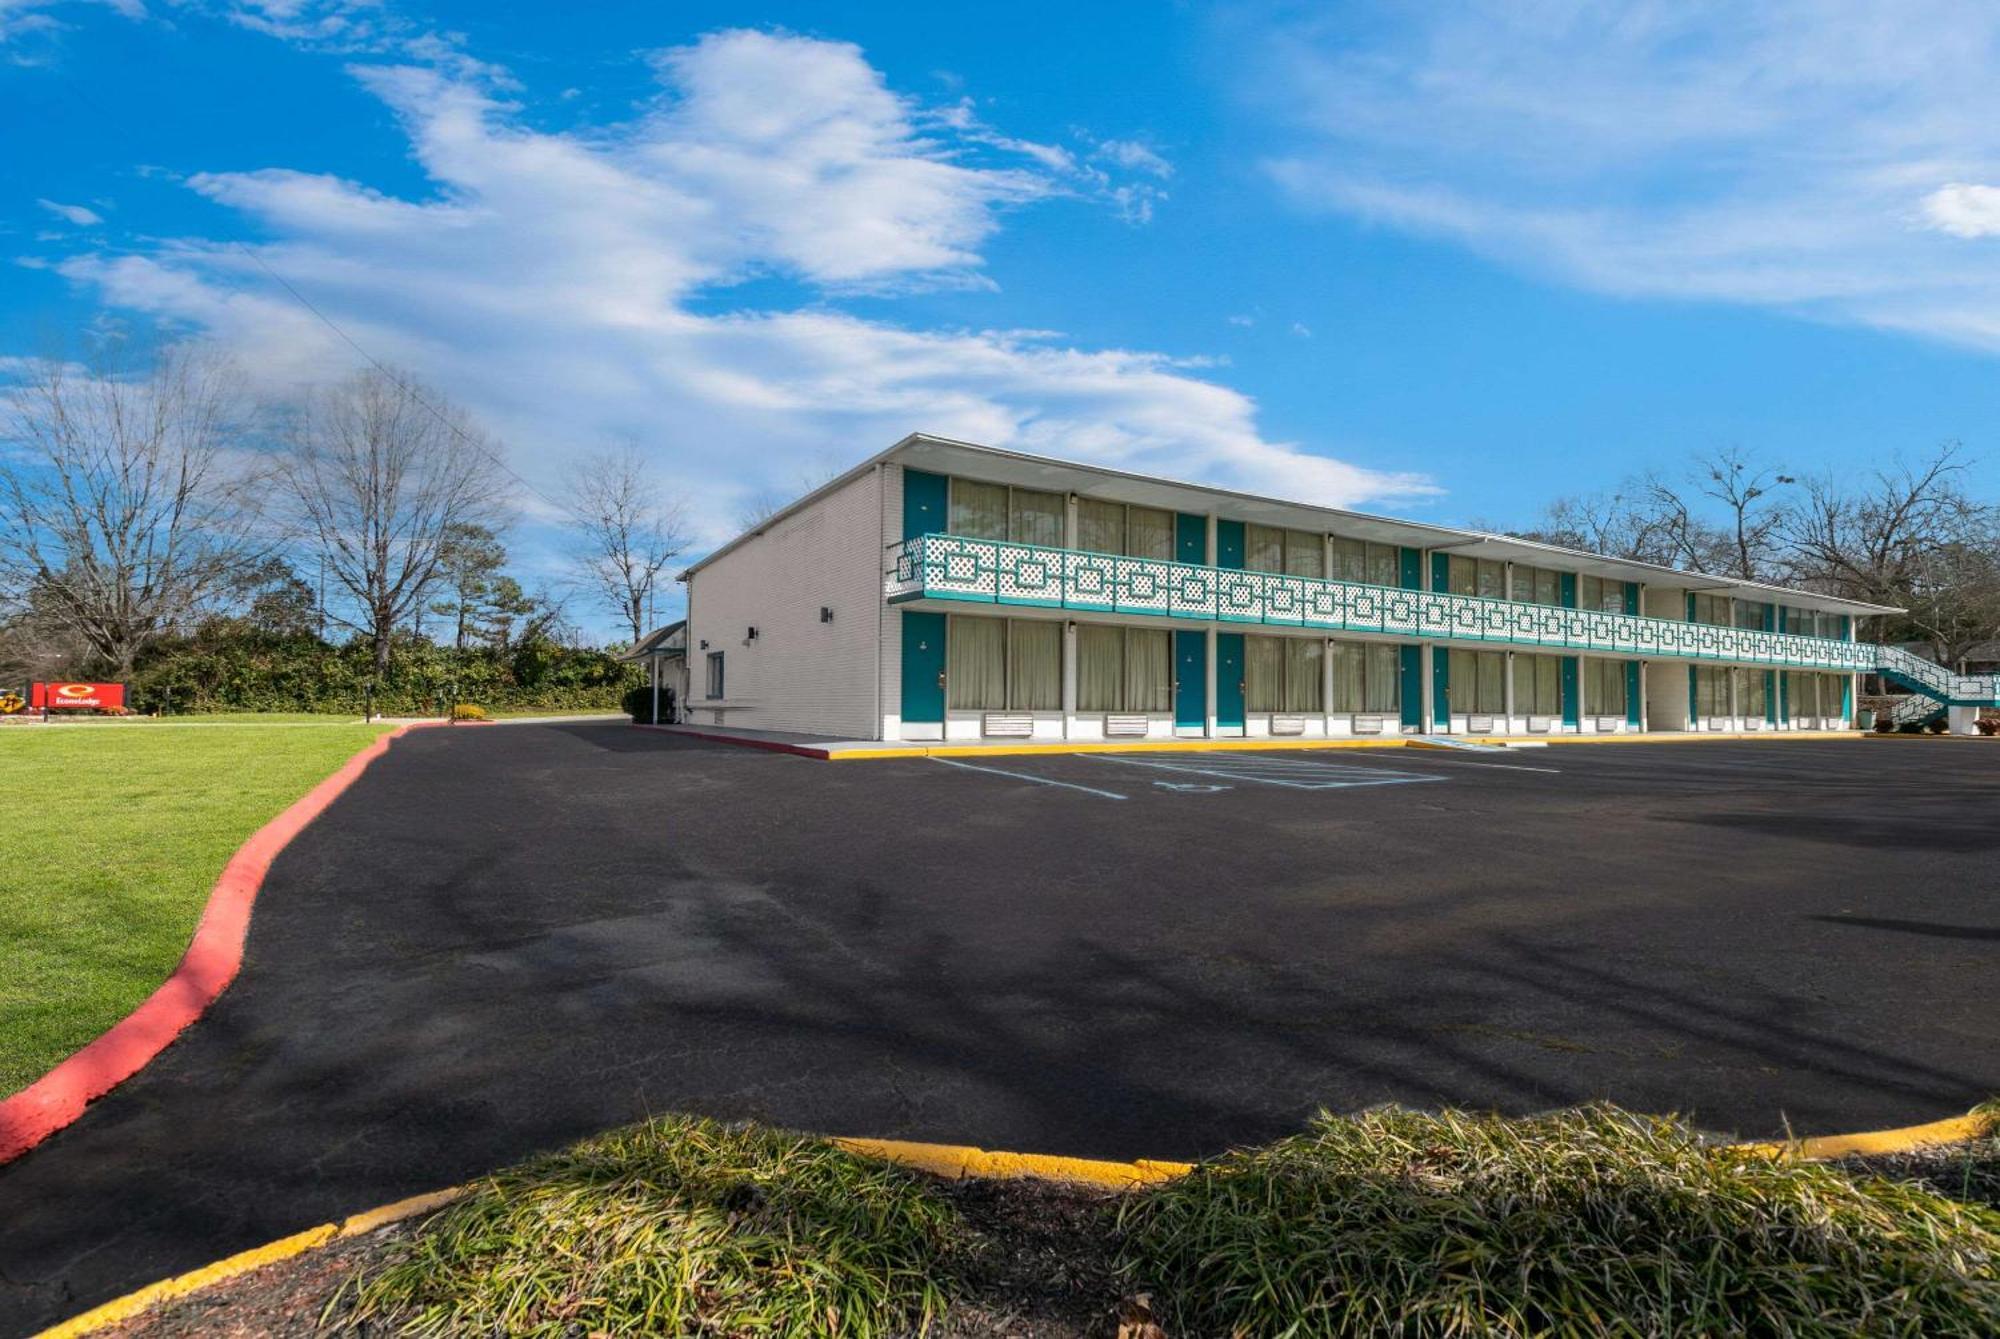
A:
(799, 674)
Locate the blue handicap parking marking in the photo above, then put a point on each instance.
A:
(1265, 770)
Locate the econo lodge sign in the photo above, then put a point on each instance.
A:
(77, 696)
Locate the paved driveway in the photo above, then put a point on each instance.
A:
(500, 940)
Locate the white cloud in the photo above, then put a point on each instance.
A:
(1800, 154)
(1964, 210)
(77, 214)
(573, 288)
(1134, 156)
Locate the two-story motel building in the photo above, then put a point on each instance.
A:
(944, 590)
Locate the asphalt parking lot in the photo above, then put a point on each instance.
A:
(500, 940)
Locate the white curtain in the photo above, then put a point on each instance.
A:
(1384, 565)
(1100, 526)
(1100, 666)
(1037, 518)
(1149, 670)
(978, 510)
(1304, 682)
(1350, 560)
(1305, 554)
(1347, 676)
(1264, 548)
(1605, 687)
(1034, 666)
(1383, 679)
(1149, 533)
(1264, 673)
(976, 663)
(1478, 681)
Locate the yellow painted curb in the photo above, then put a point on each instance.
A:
(960, 1162)
(954, 1161)
(285, 1248)
(1055, 747)
(1816, 1148)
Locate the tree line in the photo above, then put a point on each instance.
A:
(150, 508)
(1911, 535)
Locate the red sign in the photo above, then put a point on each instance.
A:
(77, 696)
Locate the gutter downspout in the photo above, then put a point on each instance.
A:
(876, 730)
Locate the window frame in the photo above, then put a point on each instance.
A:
(1011, 691)
(715, 681)
(1010, 511)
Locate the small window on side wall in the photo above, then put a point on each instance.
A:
(715, 674)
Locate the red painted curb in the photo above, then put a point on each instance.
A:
(205, 971)
(768, 745)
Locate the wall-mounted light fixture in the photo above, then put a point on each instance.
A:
(751, 635)
(704, 643)
(825, 614)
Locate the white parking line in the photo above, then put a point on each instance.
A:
(1029, 776)
(1439, 755)
(1290, 773)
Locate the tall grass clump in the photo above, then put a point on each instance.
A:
(1587, 1222)
(678, 1226)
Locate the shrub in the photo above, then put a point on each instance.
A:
(1584, 1222)
(1987, 725)
(1938, 726)
(466, 711)
(679, 1226)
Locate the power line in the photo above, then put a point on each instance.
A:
(407, 389)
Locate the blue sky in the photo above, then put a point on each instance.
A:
(1440, 261)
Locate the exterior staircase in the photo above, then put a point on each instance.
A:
(1932, 687)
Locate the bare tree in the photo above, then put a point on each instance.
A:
(626, 531)
(381, 473)
(125, 511)
(1652, 519)
(1913, 538)
(1743, 487)
(760, 505)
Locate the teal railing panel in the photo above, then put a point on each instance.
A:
(955, 567)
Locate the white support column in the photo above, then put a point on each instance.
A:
(1208, 641)
(1326, 686)
(1507, 680)
(1069, 667)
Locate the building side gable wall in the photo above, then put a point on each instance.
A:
(798, 673)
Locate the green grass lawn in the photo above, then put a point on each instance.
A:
(110, 839)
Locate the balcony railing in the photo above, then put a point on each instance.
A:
(953, 567)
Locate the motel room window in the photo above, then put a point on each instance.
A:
(995, 511)
(1477, 576)
(1712, 609)
(1003, 664)
(1812, 623)
(1711, 691)
(715, 674)
(1753, 614)
(1367, 677)
(1751, 697)
(1284, 674)
(1299, 553)
(1604, 687)
(1479, 682)
(1604, 594)
(1537, 585)
(1123, 669)
(1538, 686)
(1115, 527)
(1370, 564)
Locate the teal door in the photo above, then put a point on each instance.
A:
(1229, 680)
(923, 667)
(1191, 679)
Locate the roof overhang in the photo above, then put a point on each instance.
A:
(944, 455)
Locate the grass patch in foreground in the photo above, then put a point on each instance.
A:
(112, 838)
(680, 1226)
(1586, 1222)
